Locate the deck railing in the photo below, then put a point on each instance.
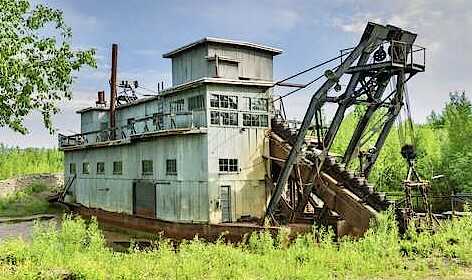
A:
(136, 126)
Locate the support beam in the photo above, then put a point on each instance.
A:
(394, 111)
(372, 35)
(354, 143)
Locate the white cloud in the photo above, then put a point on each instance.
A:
(442, 27)
(287, 20)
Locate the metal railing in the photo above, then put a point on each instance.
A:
(136, 126)
(440, 203)
(409, 55)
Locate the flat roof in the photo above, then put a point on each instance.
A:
(272, 50)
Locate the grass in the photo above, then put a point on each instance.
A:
(78, 251)
(29, 201)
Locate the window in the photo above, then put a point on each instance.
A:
(254, 104)
(228, 164)
(263, 120)
(229, 118)
(147, 167)
(224, 101)
(232, 102)
(214, 101)
(255, 120)
(196, 103)
(117, 167)
(177, 106)
(100, 167)
(171, 167)
(259, 104)
(224, 118)
(85, 168)
(72, 169)
(214, 117)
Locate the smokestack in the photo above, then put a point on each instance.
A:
(100, 98)
(114, 60)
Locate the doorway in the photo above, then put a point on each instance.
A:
(225, 194)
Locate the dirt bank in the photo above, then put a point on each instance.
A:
(15, 184)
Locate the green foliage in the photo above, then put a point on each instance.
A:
(36, 62)
(27, 202)
(443, 146)
(457, 151)
(16, 161)
(76, 250)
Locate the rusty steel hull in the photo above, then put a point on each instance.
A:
(233, 232)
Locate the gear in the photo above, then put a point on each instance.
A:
(380, 54)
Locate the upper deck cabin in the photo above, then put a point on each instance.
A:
(222, 58)
(208, 69)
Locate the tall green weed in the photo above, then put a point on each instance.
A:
(16, 161)
(76, 250)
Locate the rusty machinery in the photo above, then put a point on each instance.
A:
(306, 171)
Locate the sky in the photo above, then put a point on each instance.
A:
(307, 31)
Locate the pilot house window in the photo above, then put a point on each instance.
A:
(254, 104)
(224, 101)
(224, 118)
(255, 120)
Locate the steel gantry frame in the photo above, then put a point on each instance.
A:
(368, 82)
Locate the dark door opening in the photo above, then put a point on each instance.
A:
(144, 199)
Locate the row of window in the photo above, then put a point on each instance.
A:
(231, 118)
(217, 101)
(146, 167)
(255, 120)
(223, 101)
(231, 102)
(225, 165)
(223, 118)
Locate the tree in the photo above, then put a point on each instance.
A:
(36, 62)
(458, 149)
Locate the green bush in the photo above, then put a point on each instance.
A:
(77, 250)
(16, 161)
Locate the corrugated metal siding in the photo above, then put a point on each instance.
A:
(92, 121)
(194, 63)
(249, 145)
(189, 66)
(187, 190)
(182, 201)
(252, 63)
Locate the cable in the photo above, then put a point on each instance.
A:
(150, 90)
(295, 90)
(311, 68)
